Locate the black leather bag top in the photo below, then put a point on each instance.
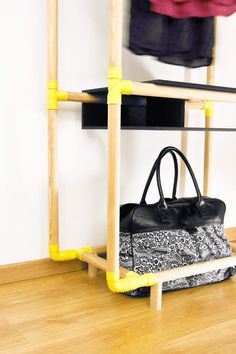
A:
(184, 213)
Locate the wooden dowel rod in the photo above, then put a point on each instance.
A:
(52, 177)
(114, 123)
(194, 105)
(95, 260)
(101, 263)
(184, 139)
(52, 122)
(147, 89)
(52, 39)
(171, 274)
(231, 233)
(208, 124)
(81, 97)
(156, 297)
(87, 98)
(233, 246)
(195, 269)
(123, 272)
(99, 249)
(115, 32)
(211, 72)
(92, 271)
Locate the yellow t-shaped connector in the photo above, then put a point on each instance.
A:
(54, 95)
(117, 86)
(209, 107)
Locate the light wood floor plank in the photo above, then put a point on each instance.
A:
(71, 313)
(11, 273)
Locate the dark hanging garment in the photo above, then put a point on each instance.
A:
(193, 8)
(187, 42)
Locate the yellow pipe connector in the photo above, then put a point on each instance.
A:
(132, 281)
(54, 95)
(209, 109)
(116, 86)
(67, 255)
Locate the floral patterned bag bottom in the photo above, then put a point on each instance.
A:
(155, 251)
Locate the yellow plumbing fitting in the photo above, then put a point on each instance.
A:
(209, 107)
(115, 72)
(132, 281)
(127, 87)
(116, 86)
(62, 95)
(67, 255)
(54, 95)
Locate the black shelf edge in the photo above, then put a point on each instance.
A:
(178, 84)
(190, 129)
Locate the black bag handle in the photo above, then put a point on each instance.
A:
(172, 149)
(150, 177)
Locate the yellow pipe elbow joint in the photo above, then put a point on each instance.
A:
(132, 281)
(116, 86)
(209, 109)
(67, 255)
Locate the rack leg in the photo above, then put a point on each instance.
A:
(208, 124)
(114, 122)
(156, 297)
(184, 140)
(52, 177)
(113, 187)
(92, 270)
(52, 122)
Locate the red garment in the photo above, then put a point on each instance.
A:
(193, 8)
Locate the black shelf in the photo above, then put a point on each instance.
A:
(146, 113)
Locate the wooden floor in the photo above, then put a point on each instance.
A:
(71, 313)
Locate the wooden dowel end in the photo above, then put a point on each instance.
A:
(156, 297)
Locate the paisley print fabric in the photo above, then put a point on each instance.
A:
(160, 250)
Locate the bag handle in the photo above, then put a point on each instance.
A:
(150, 177)
(171, 149)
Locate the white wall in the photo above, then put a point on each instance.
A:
(82, 154)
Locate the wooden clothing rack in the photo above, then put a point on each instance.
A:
(120, 279)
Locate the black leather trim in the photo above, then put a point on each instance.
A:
(180, 214)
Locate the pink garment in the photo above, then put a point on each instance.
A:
(193, 8)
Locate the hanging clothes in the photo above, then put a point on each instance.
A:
(193, 8)
(187, 42)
